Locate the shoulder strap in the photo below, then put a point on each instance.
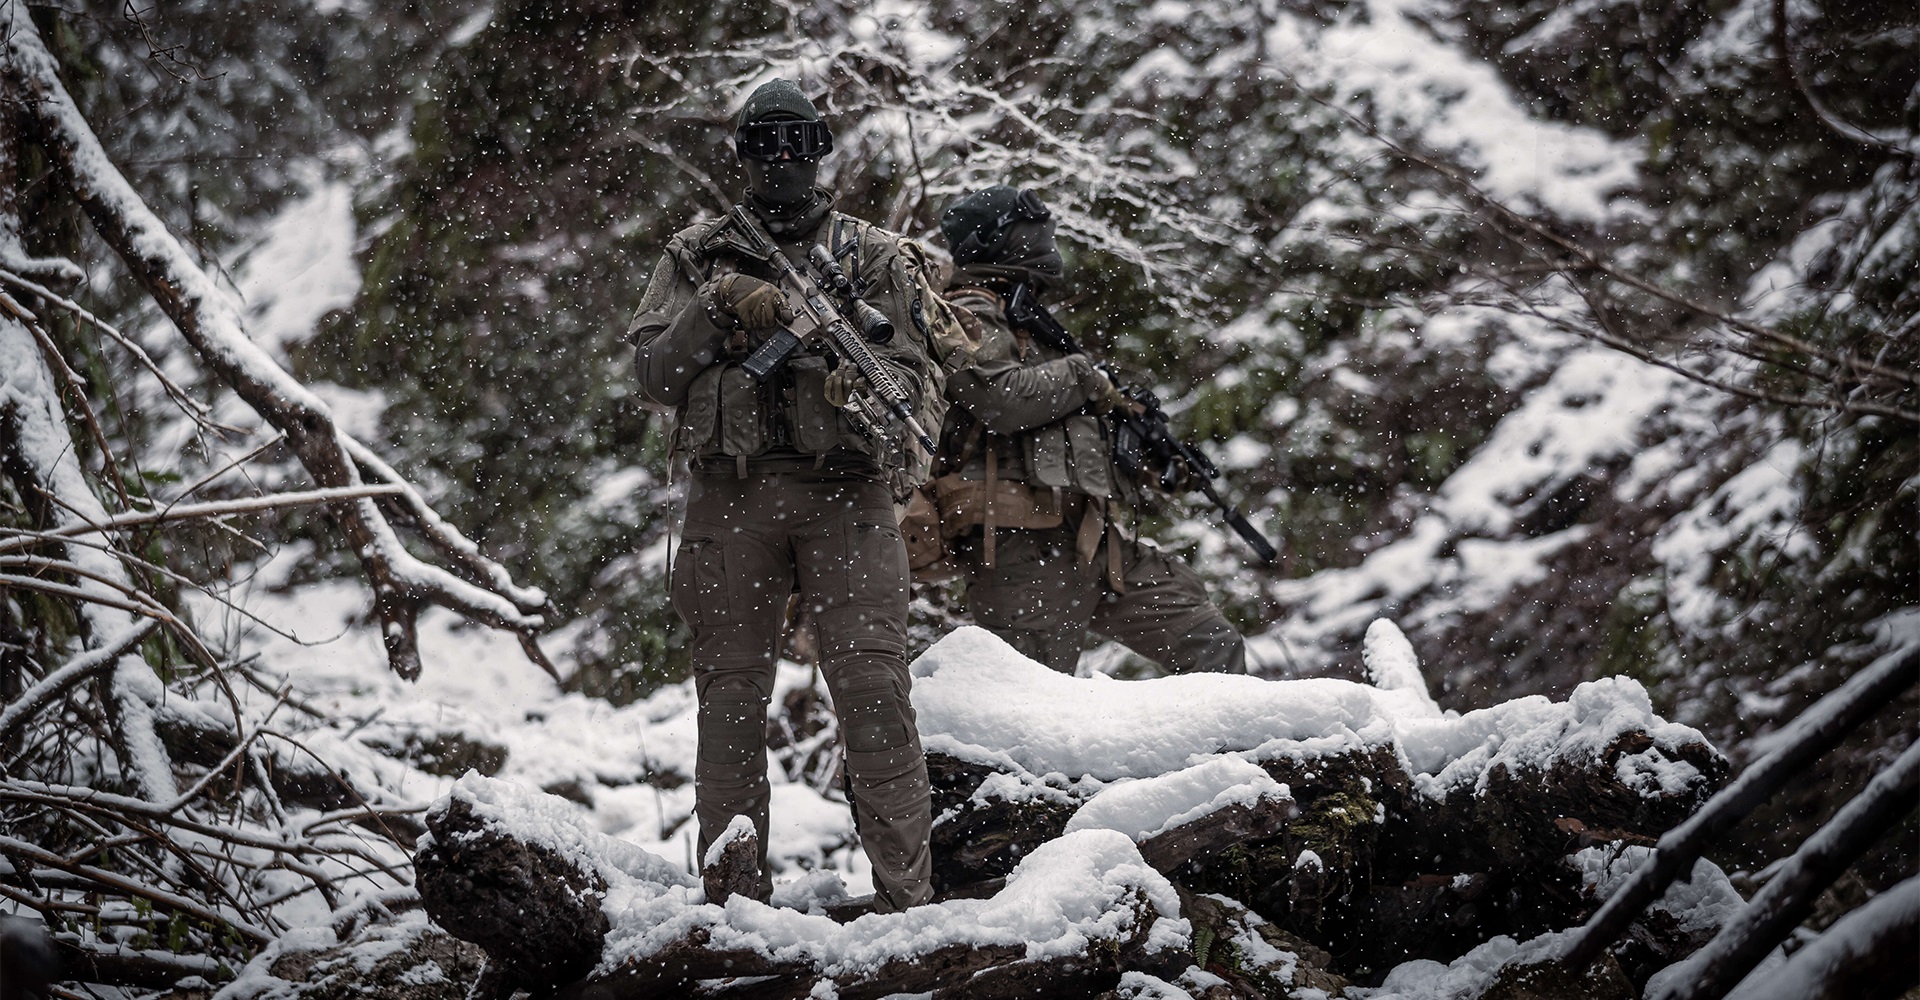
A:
(846, 245)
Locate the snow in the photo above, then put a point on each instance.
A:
(1146, 807)
(1138, 757)
(1382, 52)
(302, 269)
(1887, 921)
(1062, 895)
(740, 827)
(1758, 506)
(43, 443)
(979, 700)
(1391, 663)
(1703, 901)
(1464, 553)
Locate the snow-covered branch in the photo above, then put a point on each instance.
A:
(206, 315)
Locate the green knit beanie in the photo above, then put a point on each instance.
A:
(776, 99)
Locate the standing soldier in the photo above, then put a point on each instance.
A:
(1045, 518)
(788, 492)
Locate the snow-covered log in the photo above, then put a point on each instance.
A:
(1410, 827)
(1865, 955)
(1789, 897)
(1341, 818)
(553, 901)
(1815, 732)
(209, 319)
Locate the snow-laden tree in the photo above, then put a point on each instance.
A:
(147, 816)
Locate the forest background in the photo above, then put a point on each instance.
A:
(1576, 338)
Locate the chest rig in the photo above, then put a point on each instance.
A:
(731, 418)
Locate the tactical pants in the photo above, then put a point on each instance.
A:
(748, 543)
(1039, 599)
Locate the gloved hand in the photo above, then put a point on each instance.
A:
(758, 305)
(840, 384)
(1102, 394)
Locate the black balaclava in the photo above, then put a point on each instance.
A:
(783, 193)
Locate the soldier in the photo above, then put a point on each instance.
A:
(1044, 518)
(788, 495)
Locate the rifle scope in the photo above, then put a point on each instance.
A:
(874, 324)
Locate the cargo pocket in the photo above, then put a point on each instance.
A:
(700, 417)
(816, 422)
(699, 586)
(742, 417)
(877, 575)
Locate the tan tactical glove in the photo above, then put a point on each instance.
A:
(840, 384)
(758, 305)
(1102, 394)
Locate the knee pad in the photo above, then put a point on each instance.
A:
(862, 630)
(873, 715)
(733, 724)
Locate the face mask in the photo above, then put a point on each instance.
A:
(782, 183)
(1030, 246)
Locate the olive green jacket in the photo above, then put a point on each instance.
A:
(1026, 403)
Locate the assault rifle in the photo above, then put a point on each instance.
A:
(819, 323)
(1144, 445)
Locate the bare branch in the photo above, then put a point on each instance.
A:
(1513, 224)
(218, 508)
(74, 671)
(135, 888)
(194, 409)
(73, 386)
(1906, 146)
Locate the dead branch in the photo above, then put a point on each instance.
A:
(75, 671)
(1515, 225)
(135, 888)
(193, 408)
(1907, 146)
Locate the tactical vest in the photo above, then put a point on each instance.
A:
(731, 418)
(1073, 454)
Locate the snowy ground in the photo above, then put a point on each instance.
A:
(1138, 755)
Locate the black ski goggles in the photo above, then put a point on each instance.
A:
(802, 140)
(988, 240)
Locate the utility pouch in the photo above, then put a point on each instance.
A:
(1089, 456)
(815, 422)
(964, 505)
(698, 431)
(929, 554)
(743, 414)
(1047, 456)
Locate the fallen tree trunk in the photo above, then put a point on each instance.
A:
(536, 908)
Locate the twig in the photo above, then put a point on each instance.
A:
(136, 888)
(73, 672)
(195, 409)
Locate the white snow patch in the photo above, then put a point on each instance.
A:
(1147, 807)
(302, 269)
